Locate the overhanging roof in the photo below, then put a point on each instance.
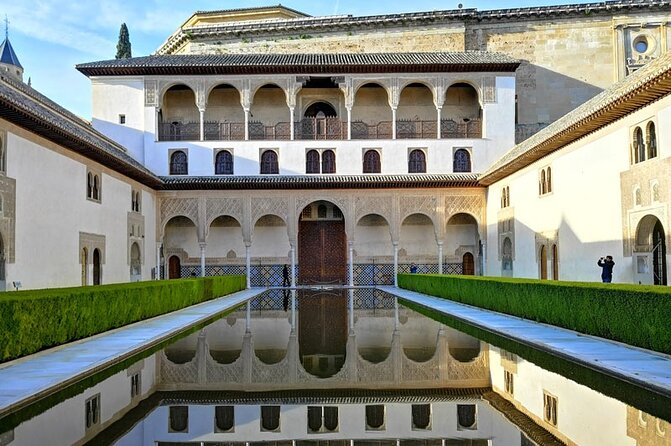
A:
(641, 88)
(274, 182)
(466, 61)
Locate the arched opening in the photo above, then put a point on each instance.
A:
(179, 164)
(371, 114)
(416, 113)
(462, 347)
(373, 251)
(468, 264)
(461, 113)
(322, 244)
(507, 257)
(555, 262)
(179, 118)
(269, 163)
(417, 161)
(270, 252)
(224, 116)
(223, 163)
(85, 264)
(543, 263)
(97, 267)
(269, 114)
(417, 243)
(320, 117)
(328, 161)
(652, 140)
(650, 250)
(312, 164)
(225, 243)
(461, 237)
(461, 161)
(542, 188)
(135, 263)
(639, 145)
(371, 162)
(181, 242)
(320, 109)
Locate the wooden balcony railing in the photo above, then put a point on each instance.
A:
(409, 129)
(450, 128)
(260, 131)
(362, 130)
(224, 131)
(321, 129)
(178, 131)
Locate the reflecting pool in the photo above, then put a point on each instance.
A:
(345, 368)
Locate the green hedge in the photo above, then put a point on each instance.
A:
(634, 314)
(33, 320)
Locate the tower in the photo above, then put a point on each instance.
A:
(9, 63)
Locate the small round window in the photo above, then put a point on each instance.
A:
(641, 44)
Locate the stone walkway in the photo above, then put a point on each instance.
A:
(27, 379)
(647, 369)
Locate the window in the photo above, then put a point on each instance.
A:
(421, 416)
(122, 119)
(307, 212)
(312, 162)
(224, 418)
(555, 262)
(462, 161)
(179, 164)
(545, 181)
(270, 418)
(322, 419)
(466, 416)
(328, 161)
(507, 255)
(416, 162)
(652, 140)
(375, 417)
(223, 163)
(93, 186)
(371, 162)
(508, 383)
(92, 411)
(269, 162)
(550, 408)
(505, 197)
(135, 385)
(135, 200)
(638, 146)
(321, 211)
(179, 419)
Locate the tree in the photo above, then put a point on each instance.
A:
(123, 47)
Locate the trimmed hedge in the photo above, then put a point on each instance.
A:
(634, 314)
(33, 320)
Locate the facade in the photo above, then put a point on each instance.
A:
(262, 137)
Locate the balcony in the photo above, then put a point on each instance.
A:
(451, 129)
(329, 128)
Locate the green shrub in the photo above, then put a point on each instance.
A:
(33, 320)
(634, 314)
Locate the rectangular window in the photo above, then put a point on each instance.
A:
(550, 408)
(92, 411)
(135, 200)
(135, 385)
(508, 382)
(122, 119)
(93, 186)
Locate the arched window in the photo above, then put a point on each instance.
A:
(468, 264)
(371, 162)
(375, 416)
(328, 161)
(466, 416)
(179, 418)
(224, 417)
(416, 162)
(543, 185)
(96, 188)
(639, 145)
(462, 161)
(97, 267)
(179, 164)
(507, 255)
(312, 162)
(555, 263)
(135, 262)
(421, 416)
(89, 185)
(543, 258)
(223, 163)
(269, 162)
(270, 418)
(549, 180)
(321, 211)
(652, 140)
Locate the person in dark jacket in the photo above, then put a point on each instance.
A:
(606, 265)
(285, 283)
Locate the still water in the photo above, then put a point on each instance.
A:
(346, 368)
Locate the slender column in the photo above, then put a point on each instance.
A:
(349, 123)
(393, 123)
(395, 264)
(291, 121)
(440, 257)
(158, 261)
(293, 266)
(350, 303)
(248, 264)
(351, 263)
(248, 317)
(438, 110)
(202, 259)
(396, 321)
(246, 124)
(202, 124)
(293, 310)
(484, 258)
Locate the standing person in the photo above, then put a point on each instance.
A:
(606, 265)
(285, 283)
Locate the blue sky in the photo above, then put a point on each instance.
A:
(51, 36)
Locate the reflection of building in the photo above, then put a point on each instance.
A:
(348, 148)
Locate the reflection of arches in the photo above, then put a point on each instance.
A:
(468, 264)
(85, 264)
(543, 256)
(320, 109)
(174, 268)
(97, 267)
(135, 263)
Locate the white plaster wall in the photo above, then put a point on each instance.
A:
(52, 209)
(120, 95)
(222, 239)
(270, 241)
(418, 239)
(585, 204)
(64, 424)
(584, 416)
(180, 236)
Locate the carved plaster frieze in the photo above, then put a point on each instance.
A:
(419, 204)
(278, 206)
(374, 205)
(151, 93)
(224, 206)
(469, 204)
(173, 207)
(489, 89)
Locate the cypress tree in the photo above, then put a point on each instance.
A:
(123, 47)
